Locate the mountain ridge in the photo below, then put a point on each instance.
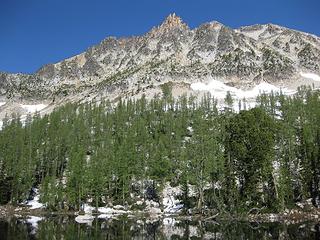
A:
(172, 15)
(172, 52)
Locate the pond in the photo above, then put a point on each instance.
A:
(65, 227)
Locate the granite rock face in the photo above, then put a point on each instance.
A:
(172, 52)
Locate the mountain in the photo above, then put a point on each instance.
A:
(171, 52)
(168, 155)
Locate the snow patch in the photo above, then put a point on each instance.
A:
(169, 221)
(33, 108)
(312, 76)
(84, 218)
(219, 90)
(170, 202)
(34, 203)
(118, 207)
(2, 103)
(105, 210)
(88, 209)
(255, 34)
(116, 210)
(104, 216)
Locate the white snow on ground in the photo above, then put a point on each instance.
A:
(84, 219)
(2, 103)
(254, 34)
(33, 220)
(219, 89)
(34, 203)
(118, 207)
(311, 76)
(169, 221)
(87, 208)
(33, 108)
(170, 202)
(108, 212)
(105, 210)
(104, 216)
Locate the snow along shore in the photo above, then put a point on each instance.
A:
(35, 202)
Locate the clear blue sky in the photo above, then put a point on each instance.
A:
(37, 32)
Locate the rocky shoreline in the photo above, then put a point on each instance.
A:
(293, 216)
(288, 216)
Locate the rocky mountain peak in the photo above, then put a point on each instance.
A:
(172, 52)
(172, 22)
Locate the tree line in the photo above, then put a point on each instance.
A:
(267, 157)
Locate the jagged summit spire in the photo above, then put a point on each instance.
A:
(171, 22)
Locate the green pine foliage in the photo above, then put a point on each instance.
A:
(265, 158)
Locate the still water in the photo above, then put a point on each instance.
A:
(168, 228)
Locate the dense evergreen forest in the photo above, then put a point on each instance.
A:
(267, 157)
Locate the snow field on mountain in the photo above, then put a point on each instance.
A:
(33, 108)
(254, 34)
(311, 76)
(219, 90)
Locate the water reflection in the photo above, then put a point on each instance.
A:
(167, 228)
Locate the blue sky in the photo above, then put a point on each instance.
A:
(37, 32)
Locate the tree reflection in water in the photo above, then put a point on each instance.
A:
(66, 228)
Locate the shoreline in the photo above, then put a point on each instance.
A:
(288, 216)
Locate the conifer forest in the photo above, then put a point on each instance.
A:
(266, 158)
